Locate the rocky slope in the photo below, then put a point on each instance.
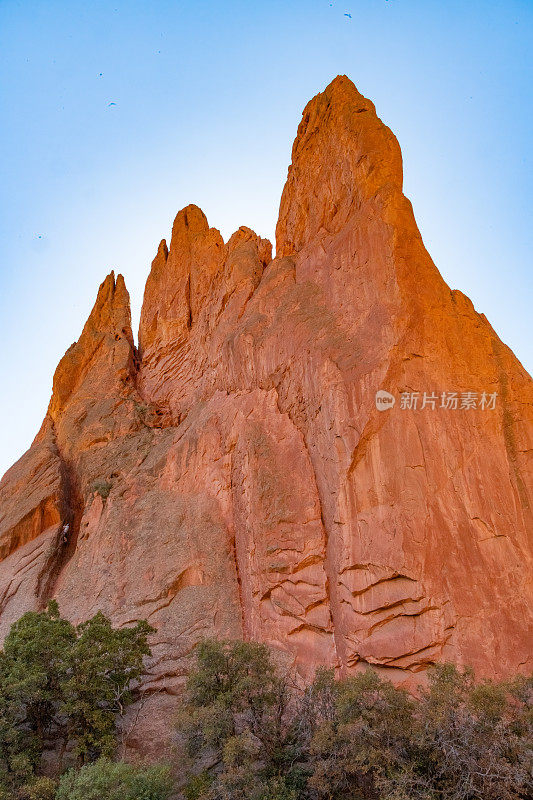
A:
(234, 476)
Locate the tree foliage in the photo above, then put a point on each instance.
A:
(240, 721)
(251, 735)
(62, 687)
(115, 781)
(248, 730)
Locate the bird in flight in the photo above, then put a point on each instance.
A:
(111, 104)
(348, 15)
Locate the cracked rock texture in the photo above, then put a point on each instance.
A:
(233, 476)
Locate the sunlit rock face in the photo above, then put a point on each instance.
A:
(235, 476)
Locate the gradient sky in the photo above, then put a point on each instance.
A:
(208, 97)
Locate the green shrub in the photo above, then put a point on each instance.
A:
(357, 738)
(101, 487)
(108, 780)
(41, 789)
(198, 786)
(241, 715)
(62, 688)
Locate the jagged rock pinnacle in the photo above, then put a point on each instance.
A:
(238, 477)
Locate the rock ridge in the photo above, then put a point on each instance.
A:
(234, 477)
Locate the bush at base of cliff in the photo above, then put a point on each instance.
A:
(62, 689)
(41, 789)
(241, 717)
(249, 733)
(108, 780)
(460, 740)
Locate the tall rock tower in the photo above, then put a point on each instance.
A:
(238, 474)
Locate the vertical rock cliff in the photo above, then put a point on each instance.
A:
(235, 477)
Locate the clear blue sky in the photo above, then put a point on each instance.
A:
(208, 97)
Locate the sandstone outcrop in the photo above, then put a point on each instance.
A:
(234, 476)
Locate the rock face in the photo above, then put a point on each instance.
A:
(235, 477)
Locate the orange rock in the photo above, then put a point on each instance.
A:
(235, 478)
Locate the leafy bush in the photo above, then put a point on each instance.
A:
(107, 780)
(250, 735)
(364, 748)
(475, 740)
(101, 487)
(40, 789)
(63, 687)
(249, 731)
(198, 786)
(240, 715)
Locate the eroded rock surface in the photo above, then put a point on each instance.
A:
(234, 477)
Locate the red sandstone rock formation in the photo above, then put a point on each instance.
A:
(254, 489)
